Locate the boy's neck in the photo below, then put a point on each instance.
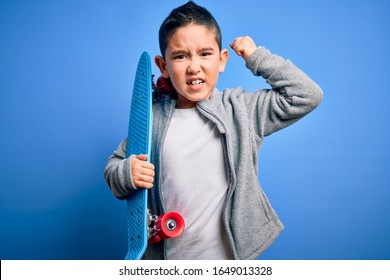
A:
(187, 104)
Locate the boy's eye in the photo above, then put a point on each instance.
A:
(182, 56)
(205, 54)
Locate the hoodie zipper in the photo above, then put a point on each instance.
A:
(230, 169)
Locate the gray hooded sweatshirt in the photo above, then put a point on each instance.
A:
(243, 120)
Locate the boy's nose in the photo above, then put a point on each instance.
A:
(193, 67)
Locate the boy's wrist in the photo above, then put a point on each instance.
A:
(252, 59)
(250, 53)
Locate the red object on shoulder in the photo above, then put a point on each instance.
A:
(164, 85)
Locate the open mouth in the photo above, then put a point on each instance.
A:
(195, 82)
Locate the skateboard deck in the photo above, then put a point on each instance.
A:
(139, 142)
(142, 227)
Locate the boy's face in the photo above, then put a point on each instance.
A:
(193, 62)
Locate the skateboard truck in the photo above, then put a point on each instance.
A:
(167, 225)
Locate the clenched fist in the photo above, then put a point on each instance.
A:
(243, 46)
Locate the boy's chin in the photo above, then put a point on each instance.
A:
(197, 97)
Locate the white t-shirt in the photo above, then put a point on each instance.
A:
(194, 184)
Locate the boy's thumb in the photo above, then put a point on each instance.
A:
(142, 157)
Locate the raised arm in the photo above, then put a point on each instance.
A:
(292, 95)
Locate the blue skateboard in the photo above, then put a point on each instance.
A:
(142, 227)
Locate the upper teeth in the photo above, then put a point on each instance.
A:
(195, 82)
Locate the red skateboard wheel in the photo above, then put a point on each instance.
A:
(168, 225)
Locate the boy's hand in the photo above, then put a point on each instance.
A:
(142, 172)
(243, 46)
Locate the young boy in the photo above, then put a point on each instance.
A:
(206, 142)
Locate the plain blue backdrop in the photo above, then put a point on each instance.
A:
(66, 75)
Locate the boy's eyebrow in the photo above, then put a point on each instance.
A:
(207, 49)
(178, 52)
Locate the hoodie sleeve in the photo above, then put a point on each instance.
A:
(292, 95)
(118, 173)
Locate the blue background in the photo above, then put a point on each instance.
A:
(66, 75)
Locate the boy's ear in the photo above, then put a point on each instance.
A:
(223, 58)
(160, 62)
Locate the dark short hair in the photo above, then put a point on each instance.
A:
(184, 15)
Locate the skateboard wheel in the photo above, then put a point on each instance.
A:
(168, 225)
